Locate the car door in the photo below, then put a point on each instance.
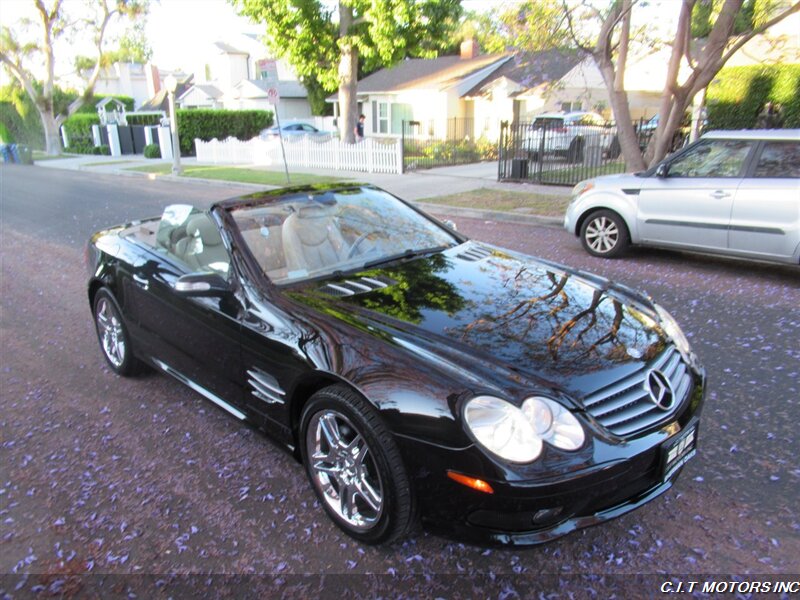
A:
(194, 337)
(766, 211)
(690, 205)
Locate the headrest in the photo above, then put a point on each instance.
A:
(202, 226)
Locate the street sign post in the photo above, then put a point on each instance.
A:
(269, 72)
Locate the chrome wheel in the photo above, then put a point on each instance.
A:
(602, 235)
(343, 469)
(110, 332)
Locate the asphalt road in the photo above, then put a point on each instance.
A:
(101, 474)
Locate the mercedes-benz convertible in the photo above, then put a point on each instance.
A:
(417, 375)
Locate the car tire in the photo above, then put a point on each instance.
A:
(575, 151)
(355, 467)
(115, 343)
(604, 234)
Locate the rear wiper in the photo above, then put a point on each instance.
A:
(408, 253)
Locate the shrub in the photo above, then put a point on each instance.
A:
(134, 119)
(207, 124)
(80, 124)
(105, 149)
(152, 151)
(738, 94)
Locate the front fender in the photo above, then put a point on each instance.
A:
(625, 205)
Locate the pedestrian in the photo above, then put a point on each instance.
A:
(359, 130)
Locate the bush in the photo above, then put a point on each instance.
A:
(134, 119)
(80, 124)
(207, 124)
(152, 151)
(738, 95)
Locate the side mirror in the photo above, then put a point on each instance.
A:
(662, 170)
(450, 224)
(202, 284)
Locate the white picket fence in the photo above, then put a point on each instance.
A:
(370, 155)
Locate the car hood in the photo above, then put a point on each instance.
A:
(499, 316)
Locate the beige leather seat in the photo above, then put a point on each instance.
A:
(312, 240)
(202, 249)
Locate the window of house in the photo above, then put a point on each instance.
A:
(383, 117)
(570, 106)
(779, 159)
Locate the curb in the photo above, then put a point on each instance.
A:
(490, 215)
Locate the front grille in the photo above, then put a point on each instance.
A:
(625, 407)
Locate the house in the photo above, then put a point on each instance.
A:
(478, 91)
(234, 76)
(426, 91)
(520, 89)
(128, 79)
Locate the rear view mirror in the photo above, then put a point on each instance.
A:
(662, 170)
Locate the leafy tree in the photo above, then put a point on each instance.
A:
(32, 42)
(727, 25)
(328, 42)
(531, 26)
(133, 48)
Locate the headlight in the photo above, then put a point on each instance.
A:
(502, 429)
(553, 423)
(519, 435)
(673, 330)
(581, 188)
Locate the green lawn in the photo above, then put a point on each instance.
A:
(549, 205)
(239, 174)
(570, 174)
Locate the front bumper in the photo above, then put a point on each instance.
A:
(620, 478)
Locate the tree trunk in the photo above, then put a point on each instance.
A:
(348, 77)
(52, 132)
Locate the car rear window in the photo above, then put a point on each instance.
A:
(548, 123)
(779, 159)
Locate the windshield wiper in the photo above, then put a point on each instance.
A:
(408, 253)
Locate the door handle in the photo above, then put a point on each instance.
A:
(720, 194)
(141, 282)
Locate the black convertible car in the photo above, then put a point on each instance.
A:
(416, 374)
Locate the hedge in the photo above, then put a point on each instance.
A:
(207, 124)
(738, 95)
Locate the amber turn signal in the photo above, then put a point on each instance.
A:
(471, 482)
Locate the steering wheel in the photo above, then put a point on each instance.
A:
(355, 246)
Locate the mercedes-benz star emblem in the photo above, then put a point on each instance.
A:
(660, 390)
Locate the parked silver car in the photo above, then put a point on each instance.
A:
(732, 192)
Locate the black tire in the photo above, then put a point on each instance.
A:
(605, 234)
(115, 343)
(575, 151)
(349, 453)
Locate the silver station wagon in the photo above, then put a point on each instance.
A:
(735, 193)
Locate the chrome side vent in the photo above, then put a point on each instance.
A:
(474, 254)
(362, 285)
(627, 406)
(265, 387)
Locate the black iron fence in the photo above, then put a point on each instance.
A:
(457, 141)
(550, 152)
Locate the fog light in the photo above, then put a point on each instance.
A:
(545, 515)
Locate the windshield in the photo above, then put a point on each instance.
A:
(306, 235)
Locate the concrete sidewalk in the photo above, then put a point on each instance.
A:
(415, 186)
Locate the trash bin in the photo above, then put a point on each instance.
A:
(25, 155)
(14, 153)
(519, 168)
(5, 151)
(593, 155)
